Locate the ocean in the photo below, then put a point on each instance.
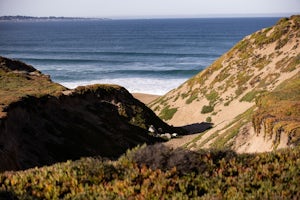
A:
(149, 56)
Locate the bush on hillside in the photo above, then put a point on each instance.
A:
(207, 109)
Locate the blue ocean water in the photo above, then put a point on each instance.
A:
(149, 56)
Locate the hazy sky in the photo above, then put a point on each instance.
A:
(148, 8)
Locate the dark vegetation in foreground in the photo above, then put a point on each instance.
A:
(157, 172)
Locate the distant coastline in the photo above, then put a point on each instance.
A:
(50, 18)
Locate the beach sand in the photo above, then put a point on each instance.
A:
(145, 98)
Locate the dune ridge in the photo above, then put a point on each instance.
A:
(226, 90)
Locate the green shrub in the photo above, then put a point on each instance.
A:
(239, 91)
(227, 103)
(167, 113)
(192, 98)
(208, 119)
(207, 109)
(250, 96)
(212, 97)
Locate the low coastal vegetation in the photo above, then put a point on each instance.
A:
(157, 172)
(242, 76)
(278, 112)
(276, 35)
(207, 109)
(18, 80)
(167, 113)
(252, 95)
(225, 140)
(274, 114)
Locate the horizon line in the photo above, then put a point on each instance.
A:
(254, 15)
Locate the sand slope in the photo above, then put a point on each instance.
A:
(228, 88)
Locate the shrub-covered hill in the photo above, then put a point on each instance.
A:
(43, 123)
(226, 92)
(157, 172)
(18, 80)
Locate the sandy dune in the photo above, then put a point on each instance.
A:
(145, 98)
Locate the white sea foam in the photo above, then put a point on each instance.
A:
(156, 86)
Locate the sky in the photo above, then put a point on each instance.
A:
(149, 8)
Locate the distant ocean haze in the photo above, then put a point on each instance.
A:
(149, 56)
